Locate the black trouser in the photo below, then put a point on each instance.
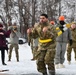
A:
(3, 55)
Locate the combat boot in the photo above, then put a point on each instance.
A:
(45, 73)
(51, 72)
(17, 59)
(9, 60)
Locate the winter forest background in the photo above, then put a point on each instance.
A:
(26, 12)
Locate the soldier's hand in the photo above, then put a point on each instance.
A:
(73, 26)
(61, 28)
(45, 29)
(70, 42)
(29, 31)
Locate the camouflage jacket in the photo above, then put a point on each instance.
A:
(73, 35)
(50, 34)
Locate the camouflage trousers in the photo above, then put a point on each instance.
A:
(69, 50)
(34, 51)
(16, 51)
(46, 57)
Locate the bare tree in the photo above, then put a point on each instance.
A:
(27, 12)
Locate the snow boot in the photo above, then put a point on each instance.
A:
(57, 66)
(62, 66)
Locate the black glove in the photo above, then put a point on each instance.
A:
(70, 42)
(29, 43)
(61, 28)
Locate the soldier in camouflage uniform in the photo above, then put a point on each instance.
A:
(69, 49)
(46, 46)
(34, 45)
(30, 41)
(14, 39)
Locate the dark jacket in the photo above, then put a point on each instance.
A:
(3, 38)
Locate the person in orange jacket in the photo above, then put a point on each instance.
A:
(61, 43)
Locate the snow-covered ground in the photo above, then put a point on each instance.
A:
(27, 67)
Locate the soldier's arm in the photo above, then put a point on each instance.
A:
(34, 33)
(18, 34)
(69, 34)
(29, 39)
(52, 31)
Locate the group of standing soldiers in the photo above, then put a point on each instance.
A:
(49, 41)
(14, 34)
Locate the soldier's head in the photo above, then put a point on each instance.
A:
(43, 18)
(61, 20)
(14, 26)
(73, 25)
